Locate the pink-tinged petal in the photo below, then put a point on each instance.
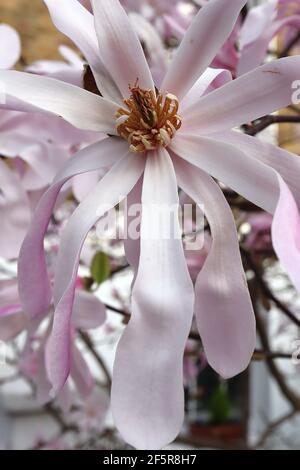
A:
(73, 20)
(58, 70)
(259, 92)
(133, 221)
(115, 185)
(120, 48)
(10, 46)
(257, 31)
(256, 23)
(27, 92)
(34, 285)
(42, 384)
(12, 324)
(9, 293)
(287, 164)
(147, 391)
(88, 311)
(253, 54)
(201, 43)
(83, 184)
(286, 233)
(80, 373)
(15, 213)
(247, 176)
(209, 80)
(223, 308)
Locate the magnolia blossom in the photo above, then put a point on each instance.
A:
(31, 160)
(157, 140)
(10, 46)
(262, 24)
(247, 45)
(70, 71)
(89, 313)
(164, 14)
(258, 236)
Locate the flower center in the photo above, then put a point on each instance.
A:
(150, 120)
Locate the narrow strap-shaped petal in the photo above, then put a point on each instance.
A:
(27, 92)
(247, 176)
(34, 285)
(210, 79)
(286, 233)
(132, 238)
(89, 312)
(250, 175)
(80, 373)
(114, 186)
(223, 306)
(147, 392)
(287, 164)
(257, 22)
(201, 43)
(119, 46)
(76, 22)
(259, 92)
(10, 46)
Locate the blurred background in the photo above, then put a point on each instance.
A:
(259, 408)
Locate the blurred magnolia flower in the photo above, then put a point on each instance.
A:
(12, 318)
(259, 235)
(247, 46)
(71, 70)
(35, 147)
(10, 49)
(175, 135)
(92, 412)
(165, 15)
(89, 313)
(261, 25)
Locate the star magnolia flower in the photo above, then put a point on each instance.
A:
(172, 136)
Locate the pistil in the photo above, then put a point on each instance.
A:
(150, 119)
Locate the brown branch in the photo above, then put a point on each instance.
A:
(273, 368)
(266, 290)
(290, 45)
(267, 121)
(272, 427)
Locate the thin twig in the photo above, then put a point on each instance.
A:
(87, 340)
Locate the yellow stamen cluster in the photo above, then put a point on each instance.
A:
(150, 120)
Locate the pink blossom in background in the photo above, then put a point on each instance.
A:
(89, 313)
(259, 236)
(10, 47)
(32, 159)
(262, 24)
(193, 141)
(165, 15)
